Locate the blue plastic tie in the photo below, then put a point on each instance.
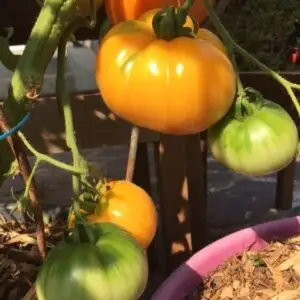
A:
(15, 129)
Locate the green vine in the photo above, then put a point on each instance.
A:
(64, 100)
(55, 24)
(45, 158)
(232, 45)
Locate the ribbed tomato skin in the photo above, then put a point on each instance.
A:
(261, 144)
(113, 268)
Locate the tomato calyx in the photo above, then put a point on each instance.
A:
(248, 102)
(82, 233)
(168, 23)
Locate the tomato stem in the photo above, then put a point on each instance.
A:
(227, 40)
(187, 5)
(27, 175)
(134, 140)
(27, 78)
(82, 234)
(231, 44)
(45, 158)
(64, 99)
(168, 23)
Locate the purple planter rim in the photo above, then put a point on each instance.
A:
(185, 279)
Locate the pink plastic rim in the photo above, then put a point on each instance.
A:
(187, 277)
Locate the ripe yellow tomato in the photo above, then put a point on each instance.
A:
(178, 87)
(122, 10)
(128, 206)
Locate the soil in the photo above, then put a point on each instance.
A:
(269, 274)
(20, 259)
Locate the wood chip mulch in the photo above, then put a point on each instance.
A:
(269, 274)
(19, 257)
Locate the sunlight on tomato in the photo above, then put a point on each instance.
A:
(177, 87)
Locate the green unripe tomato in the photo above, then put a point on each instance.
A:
(263, 143)
(109, 265)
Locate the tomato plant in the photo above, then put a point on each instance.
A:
(202, 33)
(100, 261)
(174, 85)
(129, 206)
(262, 142)
(122, 10)
(84, 6)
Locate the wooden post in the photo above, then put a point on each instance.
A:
(284, 187)
(196, 165)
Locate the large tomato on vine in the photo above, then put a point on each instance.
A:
(98, 262)
(178, 86)
(122, 10)
(260, 143)
(127, 205)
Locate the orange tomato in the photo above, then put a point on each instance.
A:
(206, 35)
(122, 10)
(128, 206)
(177, 87)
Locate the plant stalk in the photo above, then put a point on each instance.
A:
(231, 44)
(64, 100)
(27, 78)
(43, 157)
(25, 170)
(187, 4)
(134, 140)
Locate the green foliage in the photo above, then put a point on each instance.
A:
(262, 27)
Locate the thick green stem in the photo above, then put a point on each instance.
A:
(64, 100)
(168, 23)
(42, 157)
(82, 234)
(284, 82)
(231, 44)
(27, 78)
(227, 40)
(30, 178)
(187, 4)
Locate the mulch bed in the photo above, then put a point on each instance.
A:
(19, 257)
(269, 274)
